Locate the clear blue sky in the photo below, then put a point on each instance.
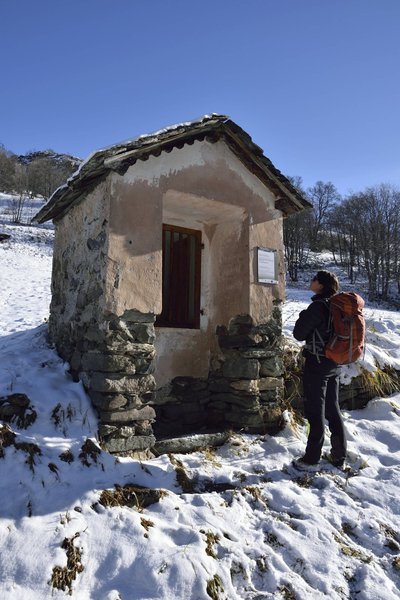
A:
(316, 83)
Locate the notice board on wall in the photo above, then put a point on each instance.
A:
(267, 267)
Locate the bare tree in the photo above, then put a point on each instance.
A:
(20, 186)
(323, 197)
(45, 175)
(343, 229)
(7, 169)
(377, 213)
(296, 229)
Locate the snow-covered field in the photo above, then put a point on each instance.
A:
(244, 525)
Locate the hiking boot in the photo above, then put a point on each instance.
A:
(339, 463)
(302, 464)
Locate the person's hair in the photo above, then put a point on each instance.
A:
(329, 281)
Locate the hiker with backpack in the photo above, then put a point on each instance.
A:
(333, 328)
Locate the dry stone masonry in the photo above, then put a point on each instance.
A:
(244, 390)
(116, 363)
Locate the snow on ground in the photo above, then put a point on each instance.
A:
(245, 526)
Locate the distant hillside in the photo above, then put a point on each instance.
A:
(51, 155)
(36, 173)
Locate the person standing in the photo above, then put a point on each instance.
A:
(320, 376)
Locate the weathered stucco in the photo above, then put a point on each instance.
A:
(262, 296)
(205, 187)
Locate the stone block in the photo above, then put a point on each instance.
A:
(128, 444)
(143, 366)
(272, 366)
(244, 402)
(238, 341)
(113, 363)
(250, 386)
(143, 428)
(240, 324)
(108, 401)
(270, 383)
(101, 382)
(258, 353)
(188, 384)
(218, 385)
(274, 395)
(236, 367)
(137, 317)
(146, 413)
(143, 332)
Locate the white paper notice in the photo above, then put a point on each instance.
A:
(266, 266)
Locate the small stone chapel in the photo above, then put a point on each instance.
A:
(168, 275)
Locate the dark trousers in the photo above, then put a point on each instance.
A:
(321, 400)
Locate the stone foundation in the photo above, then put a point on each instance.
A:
(246, 384)
(115, 362)
(244, 390)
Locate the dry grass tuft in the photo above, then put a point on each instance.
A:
(7, 438)
(392, 537)
(132, 496)
(210, 455)
(62, 577)
(381, 382)
(214, 587)
(188, 484)
(146, 523)
(287, 592)
(351, 551)
(31, 450)
(211, 540)
(89, 450)
(66, 456)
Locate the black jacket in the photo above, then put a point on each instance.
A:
(315, 318)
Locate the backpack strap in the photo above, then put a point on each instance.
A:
(316, 334)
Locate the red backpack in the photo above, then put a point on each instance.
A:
(347, 341)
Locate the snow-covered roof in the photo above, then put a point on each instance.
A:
(211, 127)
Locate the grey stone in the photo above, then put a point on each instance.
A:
(272, 366)
(143, 428)
(218, 385)
(240, 324)
(146, 413)
(144, 366)
(239, 341)
(98, 361)
(250, 386)
(259, 353)
(143, 332)
(101, 382)
(109, 401)
(270, 383)
(245, 402)
(273, 395)
(137, 317)
(132, 443)
(190, 443)
(108, 430)
(236, 367)
(140, 350)
(190, 384)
